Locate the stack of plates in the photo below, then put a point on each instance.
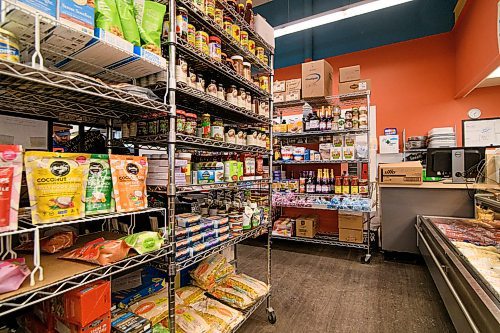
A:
(442, 137)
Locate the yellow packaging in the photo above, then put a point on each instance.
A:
(129, 182)
(56, 185)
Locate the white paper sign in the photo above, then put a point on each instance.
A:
(481, 133)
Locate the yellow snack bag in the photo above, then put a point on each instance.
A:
(129, 182)
(56, 185)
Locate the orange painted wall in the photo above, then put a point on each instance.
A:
(476, 41)
(413, 85)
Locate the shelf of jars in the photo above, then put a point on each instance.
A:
(319, 133)
(353, 203)
(191, 188)
(233, 42)
(293, 162)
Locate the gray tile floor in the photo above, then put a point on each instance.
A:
(324, 289)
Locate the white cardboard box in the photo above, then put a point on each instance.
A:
(264, 29)
(279, 86)
(389, 144)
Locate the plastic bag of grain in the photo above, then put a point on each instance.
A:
(189, 295)
(254, 288)
(187, 320)
(233, 297)
(220, 317)
(211, 271)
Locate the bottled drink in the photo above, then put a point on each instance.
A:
(302, 182)
(314, 122)
(249, 12)
(332, 181)
(318, 182)
(322, 119)
(329, 118)
(310, 186)
(346, 188)
(338, 185)
(325, 182)
(307, 122)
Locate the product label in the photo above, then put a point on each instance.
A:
(310, 188)
(313, 125)
(5, 194)
(249, 166)
(98, 197)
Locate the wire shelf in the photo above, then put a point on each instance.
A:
(220, 72)
(248, 312)
(320, 207)
(319, 133)
(183, 189)
(324, 240)
(218, 248)
(319, 162)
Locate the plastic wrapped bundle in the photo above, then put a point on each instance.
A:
(211, 271)
(220, 317)
(254, 288)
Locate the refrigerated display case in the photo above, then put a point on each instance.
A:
(463, 257)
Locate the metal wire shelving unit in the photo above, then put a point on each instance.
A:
(346, 100)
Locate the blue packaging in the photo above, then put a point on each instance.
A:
(307, 154)
(48, 7)
(209, 234)
(80, 17)
(206, 176)
(153, 280)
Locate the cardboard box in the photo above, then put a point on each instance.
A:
(317, 79)
(279, 97)
(400, 173)
(351, 236)
(295, 127)
(153, 281)
(78, 16)
(100, 325)
(127, 281)
(293, 84)
(280, 128)
(355, 86)
(279, 86)
(123, 321)
(351, 73)
(264, 29)
(85, 304)
(305, 226)
(352, 220)
(292, 95)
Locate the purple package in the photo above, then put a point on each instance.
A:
(13, 272)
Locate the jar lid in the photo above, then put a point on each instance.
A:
(237, 58)
(246, 64)
(214, 39)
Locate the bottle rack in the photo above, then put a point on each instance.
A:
(35, 90)
(321, 201)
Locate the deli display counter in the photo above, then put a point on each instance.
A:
(463, 257)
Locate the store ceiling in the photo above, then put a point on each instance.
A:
(415, 19)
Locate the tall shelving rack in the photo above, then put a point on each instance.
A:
(362, 98)
(33, 90)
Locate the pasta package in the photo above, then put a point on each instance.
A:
(189, 321)
(99, 195)
(248, 285)
(56, 185)
(232, 297)
(100, 251)
(220, 317)
(11, 169)
(129, 182)
(210, 271)
(189, 295)
(153, 308)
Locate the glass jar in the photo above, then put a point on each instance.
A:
(223, 57)
(210, 8)
(190, 126)
(201, 42)
(235, 32)
(255, 105)
(181, 70)
(205, 126)
(220, 92)
(163, 126)
(217, 130)
(181, 26)
(228, 25)
(260, 53)
(153, 127)
(180, 121)
(200, 83)
(232, 95)
(230, 135)
(238, 64)
(251, 46)
(215, 48)
(200, 4)
(247, 70)
(244, 39)
(264, 82)
(242, 98)
(192, 79)
(9, 46)
(233, 4)
(212, 88)
(191, 35)
(219, 17)
(363, 187)
(248, 104)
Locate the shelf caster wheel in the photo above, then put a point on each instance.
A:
(271, 316)
(366, 259)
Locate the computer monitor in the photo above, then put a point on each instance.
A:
(460, 164)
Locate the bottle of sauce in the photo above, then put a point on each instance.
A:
(302, 182)
(249, 12)
(310, 186)
(325, 182)
(248, 166)
(319, 181)
(354, 185)
(259, 166)
(307, 122)
(332, 181)
(345, 185)
(329, 118)
(314, 122)
(338, 185)
(363, 187)
(322, 119)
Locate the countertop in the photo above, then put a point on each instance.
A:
(443, 185)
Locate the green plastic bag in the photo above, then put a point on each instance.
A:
(107, 18)
(149, 18)
(127, 18)
(99, 193)
(145, 241)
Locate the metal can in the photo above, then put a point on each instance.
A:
(264, 82)
(235, 31)
(219, 16)
(244, 39)
(191, 36)
(215, 48)
(259, 52)
(201, 42)
(9, 46)
(251, 46)
(210, 8)
(181, 26)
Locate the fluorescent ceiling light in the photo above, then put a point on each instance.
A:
(335, 15)
(495, 74)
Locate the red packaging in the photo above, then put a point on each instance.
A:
(11, 168)
(84, 305)
(100, 325)
(100, 251)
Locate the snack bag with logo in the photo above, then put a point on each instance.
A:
(149, 16)
(56, 185)
(11, 168)
(145, 241)
(127, 19)
(99, 195)
(129, 182)
(106, 17)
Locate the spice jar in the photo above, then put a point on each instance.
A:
(180, 121)
(235, 31)
(212, 88)
(242, 97)
(210, 8)
(181, 70)
(247, 70)
(220, 92)
(10, 49)
(200, 83)
(336, 112)
(190, 125)
(348, 124)
(219, 17)
(363, 121)
(181, 26)
(348, 115)
(215, 48)
(354, 185)
(251, 46)
(217, 130)
(228, 25)
(363, 187)
(259, 52)
(232, 95)
(201, 42)
(191, 35)
(264, 82)
(244, 39)
(238, 64)
(205, 126)
(355, 113)
(355, 124)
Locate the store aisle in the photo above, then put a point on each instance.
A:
(320, 289)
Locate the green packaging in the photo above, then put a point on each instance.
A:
(240, 171)
(107, 18)
(145, 241)
(126, 13)
(149, 16)
(99, 194)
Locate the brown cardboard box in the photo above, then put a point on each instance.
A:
(279, 97)
(292, 95)
(355, 86)
(295, 127)
(351, 221)
(293, 84)
(351, 235)
(305, 226)
(317, 79)
(280, 128)
(279, 86)
(400, 173)
(351, 73)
